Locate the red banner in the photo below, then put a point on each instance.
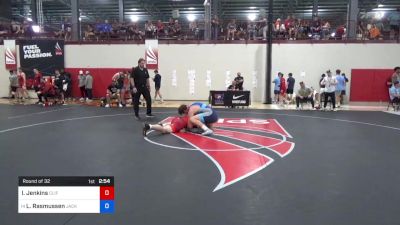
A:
(10, 54)
(151, 54)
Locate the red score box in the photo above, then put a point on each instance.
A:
(106, 193)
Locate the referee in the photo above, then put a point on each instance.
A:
(140, 82)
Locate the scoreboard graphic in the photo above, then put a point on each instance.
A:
(66, 194)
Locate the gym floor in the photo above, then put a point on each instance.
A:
(327, 167)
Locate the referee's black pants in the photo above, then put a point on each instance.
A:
(136, 101)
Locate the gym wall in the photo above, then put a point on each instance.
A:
(312, 59)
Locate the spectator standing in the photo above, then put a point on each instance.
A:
(319, 97)
(330, 87)
(394, 92)
(59, 82)
(67, 85)
(231, 28)
(215, 27)
(14, 85)
(290, 83)
(282, 90)
(37, 83)
(340, 87)
(157, 86)
(140, 82)
(82, 83)
(277, 87)
(264, 26)
(89, 86)
(304, 94)
(239, 81)
(22, 91)
(125, 89)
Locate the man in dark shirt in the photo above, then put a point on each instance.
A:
(113, 92)
(239, 81)
(290, 87)
(140, 82)
(157, 85)
(59, 82)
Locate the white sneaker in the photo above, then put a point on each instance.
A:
(107, 106)
(335, 110)
(207, 132)
(120, 105)
(298, 108)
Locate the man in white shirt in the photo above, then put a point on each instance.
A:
(330, 87)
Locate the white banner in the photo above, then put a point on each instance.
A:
(208, 79)
(10, 54)
(174, 79)
(151, 54)
(228, 78)
(255, 79)
(191, 78)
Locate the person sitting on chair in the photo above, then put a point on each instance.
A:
(113, 93)
(232, 87)
(304, 95)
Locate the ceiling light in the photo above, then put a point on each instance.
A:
(191, 17)
(251, 17)
(36, 28)
(134, 18)
(379, 15)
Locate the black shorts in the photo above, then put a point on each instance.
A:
(277, 92)
(289, 91)
(394, 27)
(157, 88)
(14, 89)
(343, 92)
